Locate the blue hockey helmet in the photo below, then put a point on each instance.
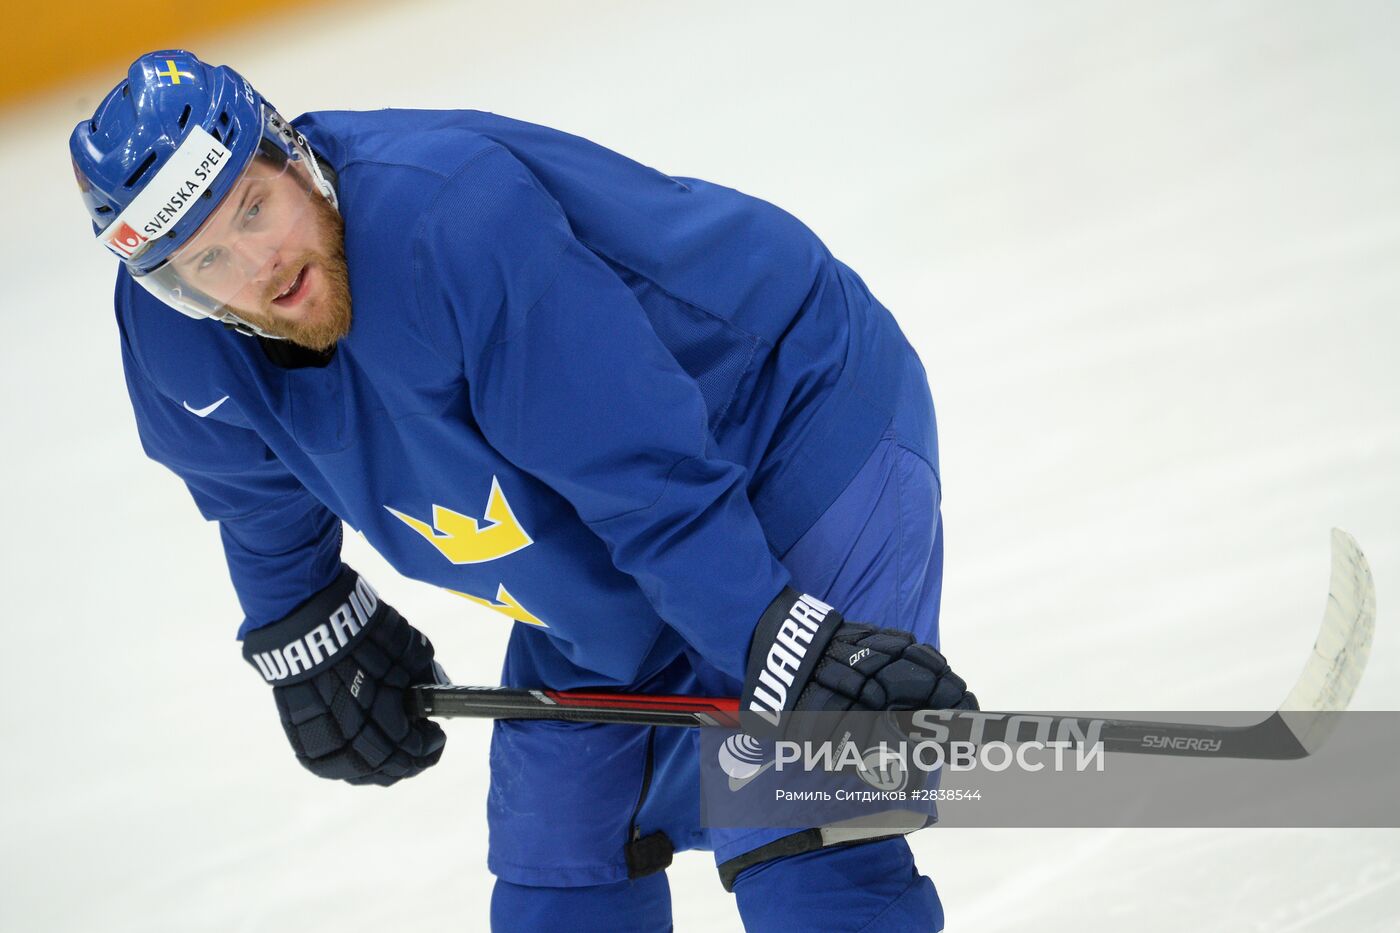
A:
(140, 126)
(161, 154)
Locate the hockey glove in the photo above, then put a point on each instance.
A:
(340, 666)
(806, 658)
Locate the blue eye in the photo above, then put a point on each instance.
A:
(252, 211)
(208, 259)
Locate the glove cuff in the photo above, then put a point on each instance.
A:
(316, 635)
(787, 644)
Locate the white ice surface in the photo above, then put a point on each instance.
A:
(1148, 253)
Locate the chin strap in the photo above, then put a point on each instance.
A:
(325, 178)
(235, 323)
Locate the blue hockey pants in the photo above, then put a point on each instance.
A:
(877, 555)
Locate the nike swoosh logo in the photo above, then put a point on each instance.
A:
(207, 410)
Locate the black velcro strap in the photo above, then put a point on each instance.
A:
(315, 635)
(649, 855)
(807, 840)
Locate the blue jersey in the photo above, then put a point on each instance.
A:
(599, 400)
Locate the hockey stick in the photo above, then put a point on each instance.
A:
(1296, 730)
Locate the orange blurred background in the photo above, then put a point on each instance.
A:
(68, 40)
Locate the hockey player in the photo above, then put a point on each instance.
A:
(635, 415)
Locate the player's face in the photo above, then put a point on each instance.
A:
(275, 255)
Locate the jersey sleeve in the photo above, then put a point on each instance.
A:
(569, 381)
(282, 545)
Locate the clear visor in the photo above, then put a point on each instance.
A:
(249, 251)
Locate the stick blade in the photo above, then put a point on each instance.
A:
(1333, 670)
